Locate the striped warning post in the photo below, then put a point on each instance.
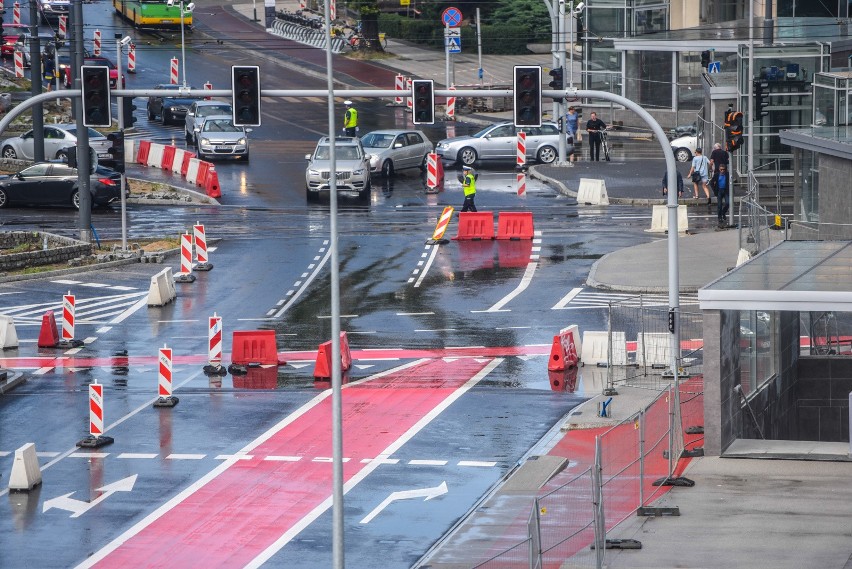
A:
(68, 306)
(521, 183)
(451, 105)
(441, 226)
(214, 339)
(332, 10)
(97, 47)
(19, 64)
(398, 85)
(173, 73)
(208, 87)
(96, 436)
(16, 14)
(409, 102)
(203, 260)
(131, 58)
(303, 4)
(432, 171)
(522, 149)
(164, 378)
(63, 26)
(185, 275)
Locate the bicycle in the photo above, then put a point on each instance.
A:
(605, 145)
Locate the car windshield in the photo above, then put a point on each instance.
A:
(214, 110)
(377, 140)
(343, 153)
(92, 132)
(220, 125)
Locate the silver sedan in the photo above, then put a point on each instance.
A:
(499, 142)
(393, 150)
(58, 138)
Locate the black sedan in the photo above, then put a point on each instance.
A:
(171, 109)
(55, 183)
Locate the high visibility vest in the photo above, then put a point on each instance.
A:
(469, 185)
(350, 118)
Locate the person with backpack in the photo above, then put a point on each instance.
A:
(699, 173)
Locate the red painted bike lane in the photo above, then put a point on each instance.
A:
(246, 510)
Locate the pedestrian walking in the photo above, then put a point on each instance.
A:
(666, 183)
(594, 127)
(48, 71)
(350, 119)
(721, 185)
(699, 174)
(719, 157)
(469, 187)
(572, 120)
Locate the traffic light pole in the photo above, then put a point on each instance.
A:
(83, 163)
(119, 82)
(35, 84)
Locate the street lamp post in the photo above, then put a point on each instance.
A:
(183, 10)
(575, 12)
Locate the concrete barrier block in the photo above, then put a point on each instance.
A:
(162, 289)
(653, 348)
(592, 192)
(155, 155)
(26, 473)
(8, 334)
(660, 219)
(596, 348)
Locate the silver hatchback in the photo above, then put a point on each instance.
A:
(352, 168)
(58, 138)
(393, 150)
(499, 142)
(219, 137)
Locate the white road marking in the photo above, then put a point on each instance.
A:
(88, 455)
(103, 329)
(415, 313)
(138, 455)
(178, 456)
(437, 330)
(72, 351)
(234, 457)
(328, 459)
(428, 265)
(522, 286)
(310, 279)
(284, 458)
(427, 462)
(478, 463)
(47, 454)
(567, 298)
(42, 370)
(326, 316)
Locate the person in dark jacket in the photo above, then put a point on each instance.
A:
(666, 184)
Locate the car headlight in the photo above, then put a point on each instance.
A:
(205, 141)
(442, 145)
(358, 172)
(241, 142)
(313, 173)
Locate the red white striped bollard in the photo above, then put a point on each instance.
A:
(173, 73)
(214, 347)
(398, 85)
(332, 10)
(68, 313)
(432, 171)
(451, 105)
(164, 379)
(96, 436)
(63, 26)
(201, 256)
(19, 63)
(303, 4)
(131, 58)
(409, 102)
(97, 48)
(185, 275)
(521, 183)
(16, 14)
(522, 149)
(208, 87)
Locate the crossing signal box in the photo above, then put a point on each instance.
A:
(245, 85)
(116, 150)
(760, 93)
(558, 82)
(527, 90)
(127, 108)
(423, 107)
(95, 85)
(733, 130)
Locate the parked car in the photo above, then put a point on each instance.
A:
(50, 10)
(172, 109)
(198, 111)
(95, 60)
(353, 168)
(219, 137)
(499, 142)
(54, 183)
(57, 139)
(684, 147)
(392, 150)
(683, 130)
(11, 41)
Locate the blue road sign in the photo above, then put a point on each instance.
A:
(714, 67)
(454, 45)
(481, 74)
(451, 17)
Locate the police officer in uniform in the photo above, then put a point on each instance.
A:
(469, 187)
(350, 119)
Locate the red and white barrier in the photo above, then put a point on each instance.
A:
(96, 409)
(303, 4)
(68, 312)
(208, 87)
(398, 85)
(164, 379)
(332, 10)
(177, 163)
(192, 172)
(451, 105)
(155, 155)
(409, 102)
(441, 226)
(185, 275)
(97, 46)
(214, 339)
(203, 260)
(19, 64)
(16, 13)
(173, 73)
(566, 349)
(131, 58)
(521, 183)
(522, 149)
(63, 26)
(432, 171)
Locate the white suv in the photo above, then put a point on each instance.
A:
(50, 10)
(353, 168)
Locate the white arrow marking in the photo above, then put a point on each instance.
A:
(79, 507)
(426, 493)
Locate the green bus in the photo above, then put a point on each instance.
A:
(151, 13)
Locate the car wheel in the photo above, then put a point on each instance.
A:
(387, 169)
(62, 155)
(75, 199)
(3, 198)
(151, 115)
(246, 157)
(683, 155)
(546, 154)
(467, 156)
(365, 193)
(9, 153)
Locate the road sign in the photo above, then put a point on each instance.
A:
(452, 33)
(714, 67)
(451, 17)
(454, 45)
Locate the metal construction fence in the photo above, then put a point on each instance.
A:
(634, 463)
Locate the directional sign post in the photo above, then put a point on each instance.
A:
(451, 19)
(714, 67)
(452, 39)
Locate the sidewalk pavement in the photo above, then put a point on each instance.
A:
(741, 512)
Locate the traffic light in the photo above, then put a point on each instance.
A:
(96, 104)
(760, 92)
(558, 82)
(527, 90)
(127, 108)
(705, 58)
(733, 130)
(245, 85)
(423, 92)
(117, 149)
